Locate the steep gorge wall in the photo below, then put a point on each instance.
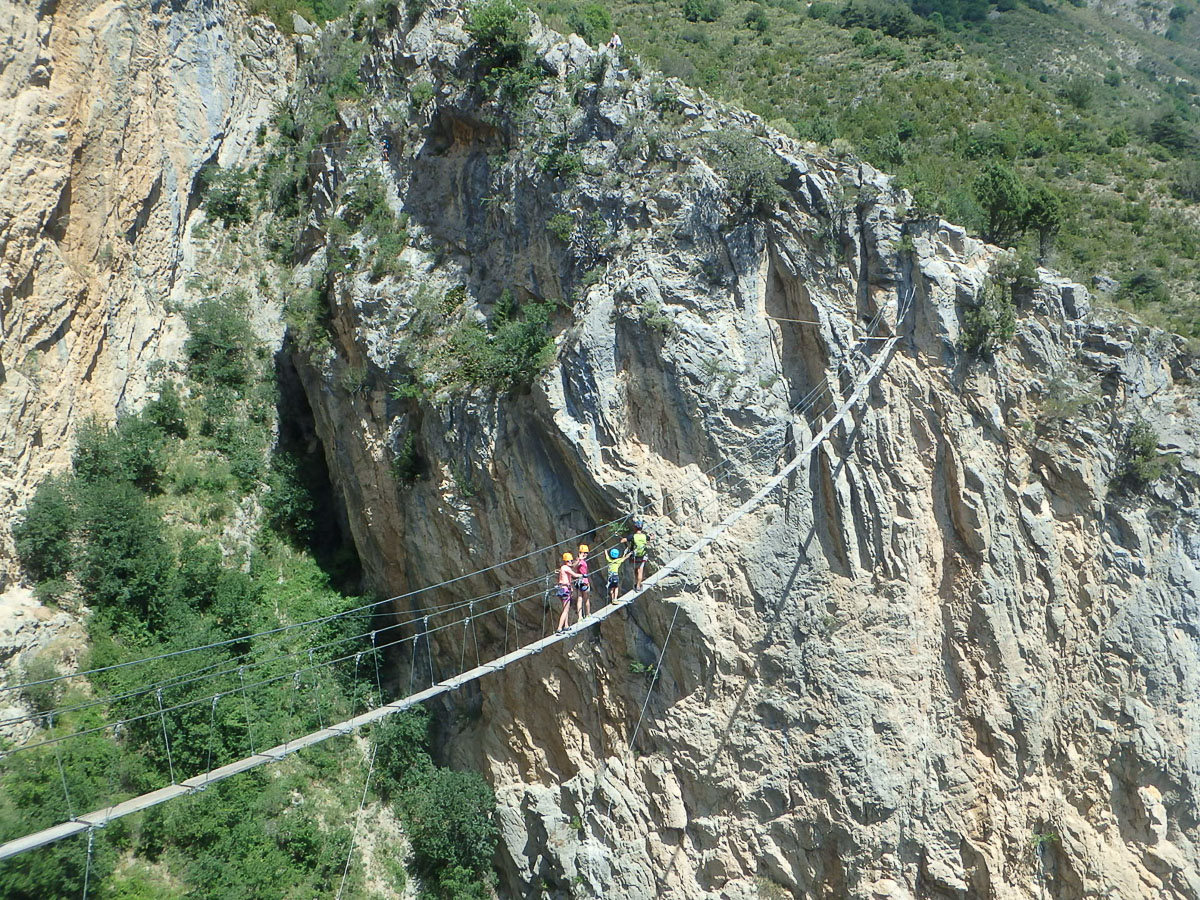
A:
(948, 660)
(108, 110)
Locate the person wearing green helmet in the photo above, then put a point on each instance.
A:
(615, 559)
(640, 542)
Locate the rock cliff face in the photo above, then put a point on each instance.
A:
(107, 113)
(948, 660)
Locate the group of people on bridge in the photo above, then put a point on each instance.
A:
(574, 579)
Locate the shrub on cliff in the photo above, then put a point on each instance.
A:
(448, 817)
(751, 171)
(43, 534)
(511, 354)
(220, 347)
(501, 30)
(1139, 463)
(131, 452)
(989, 325)
(226, 194)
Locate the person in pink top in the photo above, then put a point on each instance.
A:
(583, 584)
(565, 573)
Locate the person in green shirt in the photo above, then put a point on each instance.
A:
(639, 541)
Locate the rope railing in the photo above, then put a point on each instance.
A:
(100, 817)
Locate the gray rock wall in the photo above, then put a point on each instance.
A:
(107, 113)
(948, 660)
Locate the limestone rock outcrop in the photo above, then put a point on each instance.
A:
(950, 659)
(108, 111)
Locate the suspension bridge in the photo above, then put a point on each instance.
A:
(89, 821)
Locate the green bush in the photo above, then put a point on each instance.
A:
(40, 697)
(1142, 289)
(1004, 200)
(448, 817)
(165, 412)
(561, 225)
(879, 15)
(408, 465)
(402, 751)
(703, 10)
(560, 161)
(43, 533)
(990, 325)
(421, 92)
(133, 452)
(501, 31)
(509, 357)
(288, 504)
(751, 171)
(306, 312)
(220, 348)
(591, 22)
(756, 19)
(315, 11)
(124, 566)
(226, 194)
(1139, 463)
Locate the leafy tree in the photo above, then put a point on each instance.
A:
(1004, 200)
(449, 820)
(751, 171)
(501, 29)
(125, 566)
(1045, 215)
(592, 22)
(43, 534)
(221, 345)
(703, 10)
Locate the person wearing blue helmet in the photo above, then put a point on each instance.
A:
(615, 559)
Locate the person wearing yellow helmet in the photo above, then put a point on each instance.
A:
(583, 584)
(565, 573)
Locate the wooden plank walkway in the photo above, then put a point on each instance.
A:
(100, 817)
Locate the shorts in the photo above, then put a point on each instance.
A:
(564, 593)
(639, 560)
(614, 581)
(582, 585)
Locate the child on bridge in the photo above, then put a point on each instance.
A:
(566, 572)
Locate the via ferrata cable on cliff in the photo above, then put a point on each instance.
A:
(100, 817)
